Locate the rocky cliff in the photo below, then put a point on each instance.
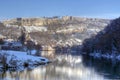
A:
(47, 21)
(106, 41)
(62, 31)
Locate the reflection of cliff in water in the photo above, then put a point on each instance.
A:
(67, 66)
(103, 67)
(55, 72)
(109, 69)
(64, 67)
(72, 72)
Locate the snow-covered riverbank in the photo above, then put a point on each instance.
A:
(20, 60)
(106, 56)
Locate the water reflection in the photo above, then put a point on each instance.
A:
(54, 72)
(104, 67)
(68, 67)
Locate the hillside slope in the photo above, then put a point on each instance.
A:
(106, 41)
(61, 31)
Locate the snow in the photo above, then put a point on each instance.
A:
(118, 57)
(22, 57)
(13, 43)
(112, 56)
(94, 30)
(35, 28)
(70, 42)
(97, 55)
(33, 52)
(9, 40)
(79, 40)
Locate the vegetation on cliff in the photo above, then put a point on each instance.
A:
(106, 41)
(53, 31)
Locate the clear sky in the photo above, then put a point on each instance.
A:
(48, 8)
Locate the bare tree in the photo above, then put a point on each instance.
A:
(30, 45)
(38, 48)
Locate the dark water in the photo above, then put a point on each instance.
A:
(69, 67)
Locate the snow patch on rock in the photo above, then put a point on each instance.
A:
(21, 58)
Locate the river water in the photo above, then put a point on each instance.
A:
(68, 67)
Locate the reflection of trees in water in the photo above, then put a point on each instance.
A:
(13, 75)
(104, 67)
(17, 75)
(2, 76)
(54, 72)
(78, 72)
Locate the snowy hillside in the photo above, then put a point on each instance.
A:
(66, 30)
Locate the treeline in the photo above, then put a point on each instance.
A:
(106, 41)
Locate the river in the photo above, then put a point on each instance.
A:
(68, 67)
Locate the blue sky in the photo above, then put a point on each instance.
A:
(48, 8)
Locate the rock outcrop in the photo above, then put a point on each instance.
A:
(66, 30)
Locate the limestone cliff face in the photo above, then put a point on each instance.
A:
(66, 30)
(25, 22)
(31, 21)
(46, 21)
